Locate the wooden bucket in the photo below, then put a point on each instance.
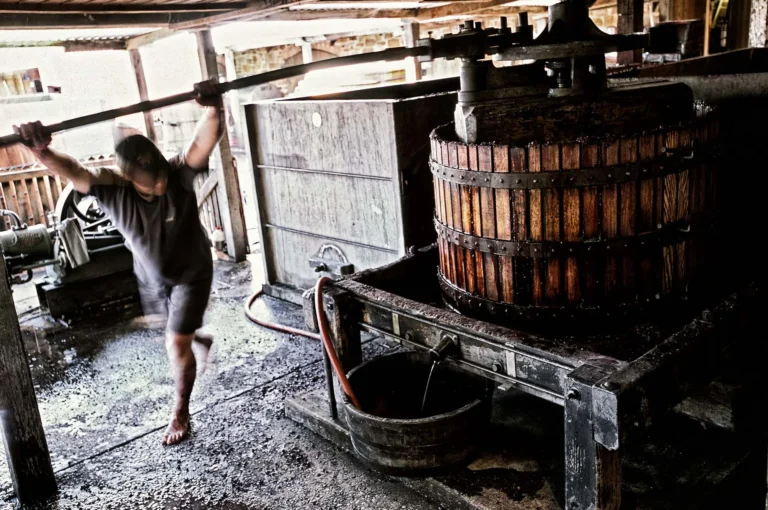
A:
(583, 229)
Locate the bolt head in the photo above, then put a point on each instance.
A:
(573, 394)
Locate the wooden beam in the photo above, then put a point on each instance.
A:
(230, 201)
(141, 83)
(137, 41)
(411, 34)
(44, 20)
(25, 445)
(421, 15)
(94, 45)
(255, 10)
(461, 9)
(312, 14)
(630, 21)
(104, 8)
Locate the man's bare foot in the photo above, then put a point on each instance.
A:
(203, 355)
(178, 429)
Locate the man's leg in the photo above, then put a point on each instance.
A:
(183, 368)
(186, 306)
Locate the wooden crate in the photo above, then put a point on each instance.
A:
(344, 177)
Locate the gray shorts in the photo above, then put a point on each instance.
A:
(180, 308)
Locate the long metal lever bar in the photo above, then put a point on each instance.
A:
(246, 81)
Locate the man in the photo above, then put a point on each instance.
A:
(152, 202)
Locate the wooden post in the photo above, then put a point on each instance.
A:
(630, 21)
(306, 53)
(758, 17)
(707, 27)
(25, 446)
(411, 34)
(138, 69)
(230, 202)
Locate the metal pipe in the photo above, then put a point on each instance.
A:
(390, 54)
(12, 214)
(329, 383)
(42, 263)
(107, 248)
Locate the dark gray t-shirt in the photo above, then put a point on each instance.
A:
(169, 244)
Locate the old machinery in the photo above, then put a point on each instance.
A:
(560, 195)
(81, 251)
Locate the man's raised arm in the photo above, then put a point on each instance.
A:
(33, 136)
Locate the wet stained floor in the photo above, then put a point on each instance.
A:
(105, 392)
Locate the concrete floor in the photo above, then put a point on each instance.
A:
(105, 393)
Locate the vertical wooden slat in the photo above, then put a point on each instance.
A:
(477, 224)
(610, 218)
(507, 279)
(58, 188)
(550, 162)
(488, 207)
(487, 198)
(5, 222)
(520, 281)
(520, 216)
(683, 190)
(466, 221)
(647, 287)
(501, 165)
(453, 162)
(535, 225)
(571, 222)
(48, 193)
(37, 201)
(669, 214)
(503, 205)
(628, 214)
(491, 276)
(14, 199)
(25, 202)
(670, 184)
(646, 152)
(590, 158)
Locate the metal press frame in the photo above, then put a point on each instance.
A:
(607, 401)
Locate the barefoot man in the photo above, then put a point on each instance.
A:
(153, 204)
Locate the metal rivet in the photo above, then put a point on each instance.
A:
(503, 248)
(608, 385)
(473, 178)
(497, 366)
(609, 176)
(627, 173)
(519, 181)
(501, 180)
(461, 177)
(574, 394)
(477, 244)
(451, 176)
(535, 181)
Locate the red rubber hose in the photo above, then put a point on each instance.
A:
(273, 325)
(324, 336)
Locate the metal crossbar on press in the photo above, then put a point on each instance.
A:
(391, 54)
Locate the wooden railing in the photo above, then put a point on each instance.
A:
(32, 192)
